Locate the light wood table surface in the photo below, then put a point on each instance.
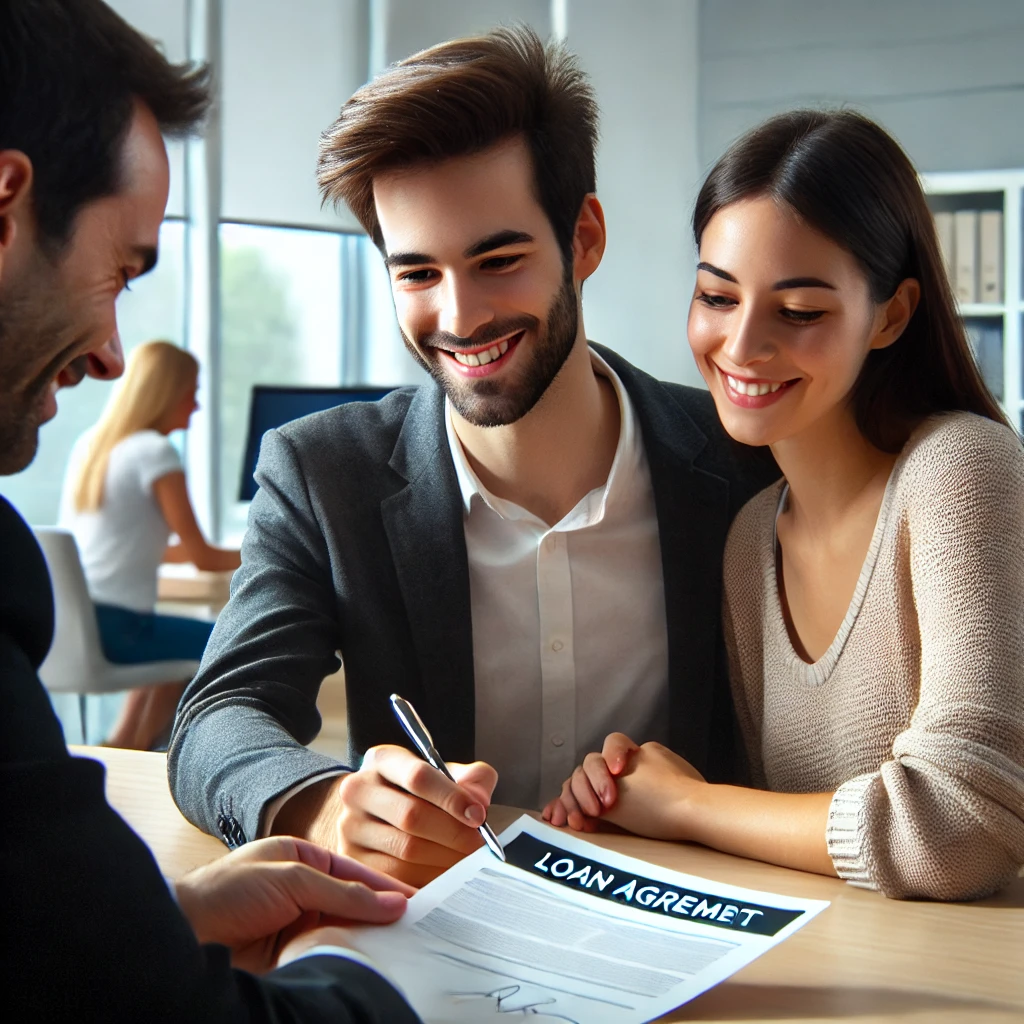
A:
(186, 583)
(865, 959)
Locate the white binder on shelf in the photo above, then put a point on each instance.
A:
(965, 230)
(944, 230)
(990, 256)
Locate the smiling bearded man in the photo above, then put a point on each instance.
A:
(94, 932)
(481, 400)
(528, 547)
(28, 315)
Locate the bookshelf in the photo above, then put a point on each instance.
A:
(997, 328)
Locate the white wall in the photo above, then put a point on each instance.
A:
(287, 71)
(642, 58)
(413, 25)
(945, 76)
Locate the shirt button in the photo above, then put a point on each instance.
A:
(557, 645)
(557, 740)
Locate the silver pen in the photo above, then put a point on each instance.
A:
(420, 735)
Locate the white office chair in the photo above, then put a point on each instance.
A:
(76, 663)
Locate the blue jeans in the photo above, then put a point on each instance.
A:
(129, 637)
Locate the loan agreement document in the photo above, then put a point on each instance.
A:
(568, 931)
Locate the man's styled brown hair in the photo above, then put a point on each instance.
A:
(462, 97)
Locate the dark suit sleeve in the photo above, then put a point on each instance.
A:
(243, 723)
(90, 930)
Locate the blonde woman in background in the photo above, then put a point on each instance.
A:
(124, 494)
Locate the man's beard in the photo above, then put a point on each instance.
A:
(34, 322)
(487, 402)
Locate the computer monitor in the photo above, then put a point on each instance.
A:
(274, 406)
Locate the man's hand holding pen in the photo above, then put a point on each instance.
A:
(396, 813)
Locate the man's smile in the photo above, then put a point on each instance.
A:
(484, 359)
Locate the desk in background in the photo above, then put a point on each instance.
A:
(185, 584)
(192, 593)
(866, 959)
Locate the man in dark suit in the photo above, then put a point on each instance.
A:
(91, 931)
(528, 548)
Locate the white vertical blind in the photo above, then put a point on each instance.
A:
(288, 68)
(165, 22)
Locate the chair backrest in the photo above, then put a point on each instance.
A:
(76, 653)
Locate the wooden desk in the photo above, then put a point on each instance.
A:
(137, 789)
(865, 959)
(186, 583)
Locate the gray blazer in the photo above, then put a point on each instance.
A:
(356, 545)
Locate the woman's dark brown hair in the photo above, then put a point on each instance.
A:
(850, 180)
(459, 98)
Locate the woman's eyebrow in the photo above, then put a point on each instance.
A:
(779, 286)
(802, 282)
(717, 271)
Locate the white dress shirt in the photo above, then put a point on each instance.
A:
(569, 633)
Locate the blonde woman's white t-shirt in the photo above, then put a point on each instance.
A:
(122, 544)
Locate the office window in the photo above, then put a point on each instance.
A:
(281, 323)
(154, 308)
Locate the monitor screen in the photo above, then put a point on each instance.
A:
(274, 406)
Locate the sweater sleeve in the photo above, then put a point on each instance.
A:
(943, 818)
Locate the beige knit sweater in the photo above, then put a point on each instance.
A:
(914, 716)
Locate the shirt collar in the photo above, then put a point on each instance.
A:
(626, 458)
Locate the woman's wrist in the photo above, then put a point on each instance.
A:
(694, 812)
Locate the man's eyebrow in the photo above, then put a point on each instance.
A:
(496, 241)
(802, 282)
(148, 255)
(717, 271)
(406, 259)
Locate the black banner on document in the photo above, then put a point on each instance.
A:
(607, 883)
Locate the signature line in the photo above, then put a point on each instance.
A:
(526, 981)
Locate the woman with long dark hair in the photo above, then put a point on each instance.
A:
(874, 596)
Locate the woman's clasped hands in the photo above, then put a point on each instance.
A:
(645, 789)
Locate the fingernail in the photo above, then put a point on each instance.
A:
(475, 815)
(607, 797)
(392, 900)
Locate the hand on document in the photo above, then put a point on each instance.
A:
(567, 932)
(401, 816)
(644, 789)
(257, 897)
